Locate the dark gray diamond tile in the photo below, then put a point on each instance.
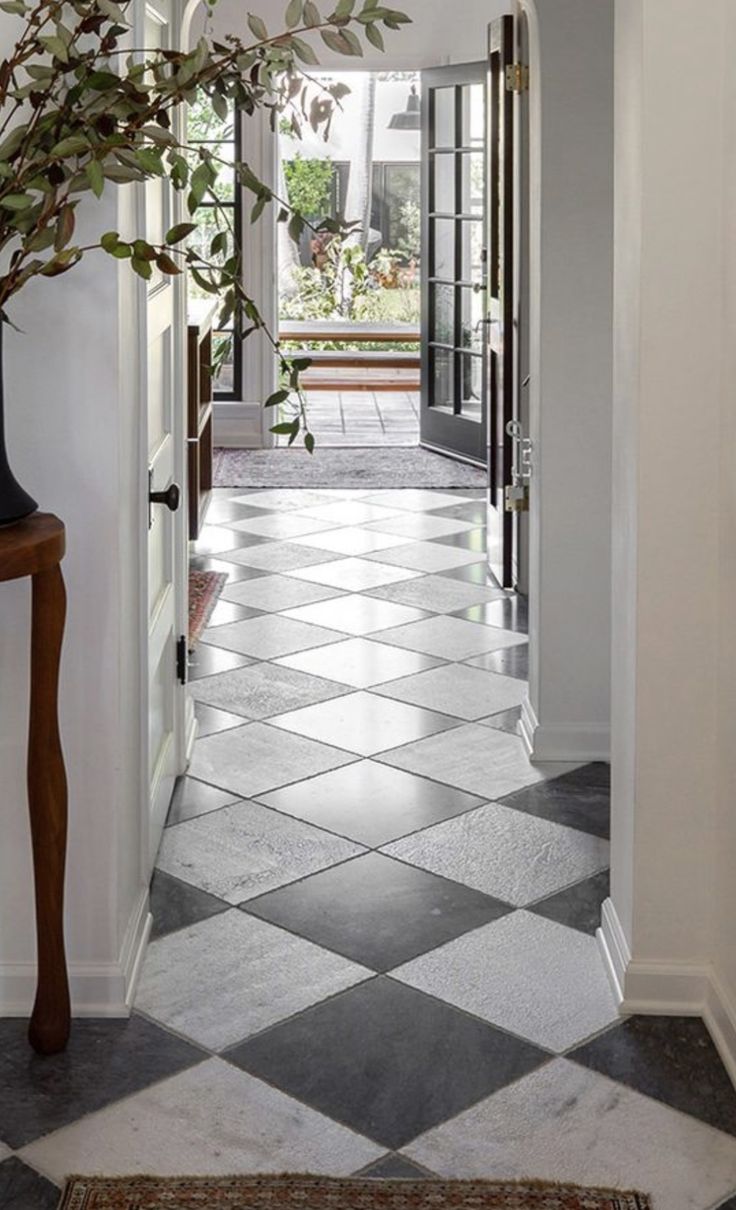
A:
(509, 614)
(192, 798)
(672, 1059)
(23, 1189)
(387, 1061)
(579, 907)
(211, 721)
(394, 1167)
(175, 905)
(208, 660)
(263, 690)
(371, 803)
(104, 1061)
(378, 911)
(729, 1205)
(474, 573)
(507, 720)
(472, 539)
(509, 661)
(581, 799)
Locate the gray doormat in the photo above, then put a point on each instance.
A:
(348, 468)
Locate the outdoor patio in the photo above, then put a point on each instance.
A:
(373, 418)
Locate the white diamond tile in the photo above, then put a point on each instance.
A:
(349, 512)
(415, 499)
(270, 636)
(465, 692)
(283, 499)
(473, 758)
(363, 723)
(274, 593)
(354, 575)
(353, 541)
(453, 638)
(356, 614)
(359, 662)
(255, 758)
(428, 556)
(281, 525)
(419, 527)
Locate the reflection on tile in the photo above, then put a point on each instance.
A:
(104, 1060)
(363, 723)
(353, 541)
(359, 662)
(474, 573)
(350, 512)
(415, 499)
(210, 721)
(231, 570)
(438, 594)
(355, 575)
(269, 636)
(418, 527)
(472, 510)
(223, 512)
(507, 720)
(467, 693)
(513, 661)
(670, 1058)
(356, 614)
(471, 540)
(265, 689)
(280, 556)
(176, 905)
(480, 972)
(225, 612)
(248, 975)
(362, 1059)
(579, 799)
(23, 1189)
(514, 857)
(450, 638)
(216, 540)
(370, 803)
(282, 498)
(206, 660)
(219, 1121)
(257, 758)
(579, 906)
(192, 798)
(427, 556)
(246, 850)
(571, 1125)
(510, 613)
(376, 911)
(474, 758)
(274, 593)
(278, 526)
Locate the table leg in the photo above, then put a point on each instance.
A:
(47, 800)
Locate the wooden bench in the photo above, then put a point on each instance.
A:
(356, 369)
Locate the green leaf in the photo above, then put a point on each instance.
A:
(343, 11)
(55, 47)
(375, 37)
(283, 430)
(167, 265)
(220, 106)
(111, 10)
(64, 227)
(74, 144)
(16, 201)
(305, 52)
(109, 241)
(142, 268)
(93, 172)
(294, 13)
(312, 15)
(176, 234)
(257, 27)
(277, 398)
(309, 442)
(17, 7)
(10, 145)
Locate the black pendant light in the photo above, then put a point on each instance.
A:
(411, 117)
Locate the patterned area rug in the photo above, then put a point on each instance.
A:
(321, 1193)
(204, 590)
(349, 468)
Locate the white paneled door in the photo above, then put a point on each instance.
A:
(165, 538)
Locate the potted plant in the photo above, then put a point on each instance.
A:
(81, 113)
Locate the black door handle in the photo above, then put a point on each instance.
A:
(171, 497)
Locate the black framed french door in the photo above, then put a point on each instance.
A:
(454, 411)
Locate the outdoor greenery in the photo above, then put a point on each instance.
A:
(309, 185)
(83, 110)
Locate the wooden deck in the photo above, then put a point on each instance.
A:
(357, 369)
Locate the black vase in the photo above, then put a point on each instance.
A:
(15, 503)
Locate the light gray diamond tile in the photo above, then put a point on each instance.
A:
(261, 690)
(223, 979)
(247, 850)
(274, 593)
(356, 614)
(354, 574)
(566, 1124)
(428, 556)
(451, 638)
(519, 973)
(438, 594)
(415, 499)
(270, 636)
(219, 1121)
(467, 693)
(360, 663)
(255, 758)
(281, 525)
(418, 527)
(363, 723)
(505, 853)
(350, 512)
(283, 499)
(352, 541)
(278, 556)
(473, 758)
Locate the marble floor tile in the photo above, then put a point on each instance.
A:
(364, 723)
(471, 539)
(176, 905)
(473, 758)
(223, 511)
(233, 571)
(206, 660)
(272, 635)
(370, 803)
(415, 499)
(578, 906)
(477, 572)
(447, 637)
(427, 556)
(506, 720)
(578, 799)
(263, 690)
(350, 512)
(355, 614)
(671, 1058)
(256, 758)
(192, 798)
(394, 1167)
(21, 1188)
(221, 980)
(362, 1058)
(211, 721)
(104, 1061)
(468, 510)
(420, 527)
(353, 541)
(438, 594)
(247, 850)
(509, 612)
(278, 499)
(280, 526)
(216, 540)
(481, 973)
(226, 612)
(511, 661)
(274, 593)
(467, 693)
(359, 662)
(219, 1121)
(377, 912)
(280, 556)
(563, 1123)
(514, 857)
(355, 575)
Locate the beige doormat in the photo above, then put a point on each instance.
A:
(323, 1193)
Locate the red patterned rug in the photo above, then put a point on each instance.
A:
(204, 590)
(323, 1193)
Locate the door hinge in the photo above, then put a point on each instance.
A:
(182, 659)
(517, 78)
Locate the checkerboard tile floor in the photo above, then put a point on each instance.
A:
(374, 922)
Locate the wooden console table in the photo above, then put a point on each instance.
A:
(202, 314)
(35, 547)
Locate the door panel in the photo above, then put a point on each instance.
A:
(454, 356)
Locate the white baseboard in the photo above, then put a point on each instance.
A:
(668, 989)
(569, 743)
(238, 425)
(97, 989)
